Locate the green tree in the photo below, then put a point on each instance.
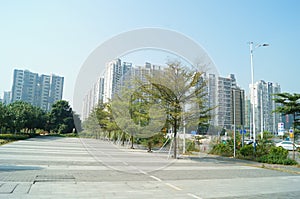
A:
(290, 105)
(61, 117)
(181, 93)
(19, 115)
(135, 114)
(91, 125)
(2, 115)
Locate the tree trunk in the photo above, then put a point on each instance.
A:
(132, 142)
(175, 139)
(123, 138)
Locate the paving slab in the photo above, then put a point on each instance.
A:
(55, 167)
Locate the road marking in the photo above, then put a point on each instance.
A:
(194, 196)
(173, 186)
(125, 163)
(156, 178)
(143, 172)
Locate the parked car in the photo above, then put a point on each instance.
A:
(288, 145)
(247, 142)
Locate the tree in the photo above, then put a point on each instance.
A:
(181, 93)
(19, 115)
(135, 114)
(2, 116)
(290, 106)
(91, 124)
(61, 117)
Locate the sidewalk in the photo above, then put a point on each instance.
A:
(295, 169)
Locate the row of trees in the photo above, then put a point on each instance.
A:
(20, 116)
(145, 107)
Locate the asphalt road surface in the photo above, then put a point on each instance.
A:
(54, 167)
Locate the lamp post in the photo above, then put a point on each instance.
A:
(234, 125)
(252, 89)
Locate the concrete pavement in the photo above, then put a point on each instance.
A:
(53, 167)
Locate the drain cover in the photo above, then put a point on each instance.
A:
(54, 178)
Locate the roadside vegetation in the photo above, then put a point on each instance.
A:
(265, 151)
(178, 94)
(21, 120)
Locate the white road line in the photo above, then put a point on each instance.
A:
(156, 178)
(194, 196)
(173, 186)
(125, 163)
(143, 172)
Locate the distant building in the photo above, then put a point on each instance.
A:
(109, 84)
(263, 99)
(248, 119)
(56, 89)
(41, 91)
(93, 97)
(222, 92)
(112, 77)
(24, 86)
(6, 97)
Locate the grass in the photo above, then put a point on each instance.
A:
(63, 134)
(10, 137)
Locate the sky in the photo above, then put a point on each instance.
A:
(57, 36)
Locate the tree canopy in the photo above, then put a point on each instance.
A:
(181, 92)
(22, 116)
(290, 105)
(61, 117)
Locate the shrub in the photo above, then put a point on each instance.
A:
(191, 146)
(247, 151)
(223, 149)
(277, 155)
(263, 149)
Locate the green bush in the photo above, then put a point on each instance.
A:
(223, 149)
(191, 146)
(277, 155)
(247, 151)
(13, 137)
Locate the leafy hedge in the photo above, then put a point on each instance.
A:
(277, 155)
(7, 137)
(265, 153)
(223, 149)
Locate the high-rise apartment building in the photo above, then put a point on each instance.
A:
(56, 89)
(93, 97)
(112, 77)
(115, 74)
(24, 86)
(41, 91)
(6, 97)
(263, 99)
(227, 98)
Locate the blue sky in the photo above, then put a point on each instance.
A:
(58, 36)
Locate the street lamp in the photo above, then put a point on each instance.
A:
(252, 90)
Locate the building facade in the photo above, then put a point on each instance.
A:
(94, 96)
(6, 97)
(56, 89)
(227, 99)
(265, 117)
(115, 75)
(41, 91)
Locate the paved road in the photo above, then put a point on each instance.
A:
(52, 167)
